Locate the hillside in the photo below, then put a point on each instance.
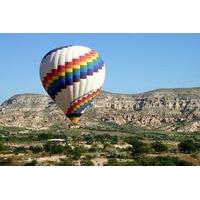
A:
(163, 109)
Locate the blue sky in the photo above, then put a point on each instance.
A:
(134, 62)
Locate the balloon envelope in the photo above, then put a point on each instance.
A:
(72, 76)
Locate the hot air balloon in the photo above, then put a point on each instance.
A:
(72, 76)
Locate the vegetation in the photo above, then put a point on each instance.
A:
(36, 149)
(77, 152)
(66, 162)
(189, 146)
(162, 161)
(32, 163)
(109, 146)
(54, 148)
(87, 162)
(159, 147)
(6, 161)
(147, 161)
(139, 147)
(116, 162)
(18, 150)
(2, 147)
(103, 139)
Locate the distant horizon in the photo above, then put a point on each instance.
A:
(43, 94)
(135, 63)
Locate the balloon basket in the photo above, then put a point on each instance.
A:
(73, 126)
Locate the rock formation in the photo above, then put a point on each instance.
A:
(164, 109)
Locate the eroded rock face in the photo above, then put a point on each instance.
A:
(175, 109)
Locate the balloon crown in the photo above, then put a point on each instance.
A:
(56, 50)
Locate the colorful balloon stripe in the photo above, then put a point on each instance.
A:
(73, 76)
(82, 103)
(69, 67)
(62, 81)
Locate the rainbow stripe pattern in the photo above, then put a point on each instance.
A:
(73, 77)
(71, 72)
(83, 103)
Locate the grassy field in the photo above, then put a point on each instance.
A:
(108, 146)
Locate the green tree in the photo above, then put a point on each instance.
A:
(68, 149)
(115, 162)
(188, 146)
(89, 139)
(101, 138)
(87, 162)
(44, 136)
(66, 162)
(36, 149)
(112, 162)
(19, 150)
(77, 152)
(159, 147)
(139, 147)
(113, 139)
(2, 147)
(54, 148)
(161, 161)
(93, 149)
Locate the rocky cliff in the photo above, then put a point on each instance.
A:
(164, 109)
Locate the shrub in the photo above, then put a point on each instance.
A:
(57, 149)
(2, 139)
(115, 162)
(129, 163)
(112, 162)
(66, 162)
(32, 163)
(6, 161)
(54, 148)
(77, 152)
(44, 136)
(36, 149)
(188, 146)
(101, 138)
(159, 147)
(87, 162)
(88, 139)
(165, 161)
(105, 138)
(194, 155)
(170, 161)
(131, 139)
(67, 149)
(161, 161)
(139, 147)
(19, 150)
(2, 147)
(89, 157)
(92, 149)
(114, 139)
(47, 147)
